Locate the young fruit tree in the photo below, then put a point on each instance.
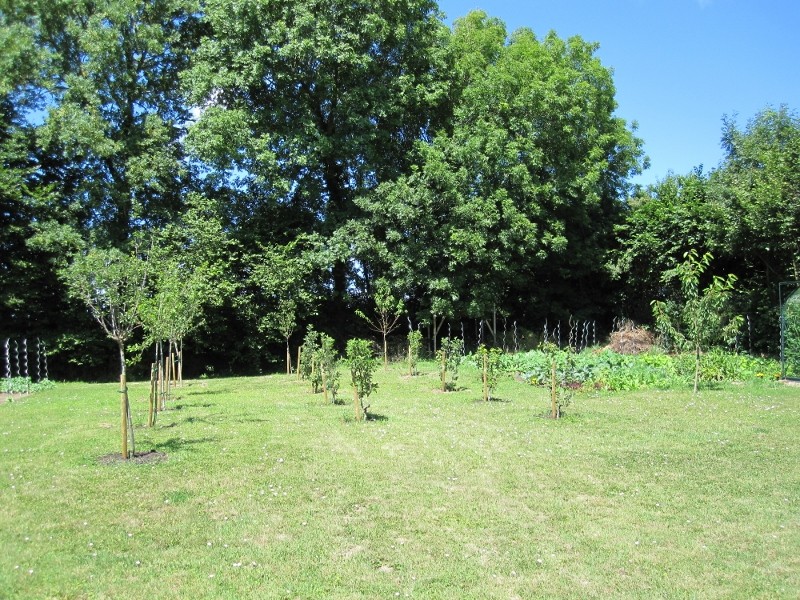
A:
(386, 319)
(361, 361)
(280, 277)
(414, 347)
(698, 319)
(449, 355)
(327, 360)
(112, 284)
(489, 361)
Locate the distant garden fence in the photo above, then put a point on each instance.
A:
(24, 358)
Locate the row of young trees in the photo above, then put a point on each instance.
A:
(306, 161)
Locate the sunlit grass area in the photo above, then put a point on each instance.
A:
(267, 492)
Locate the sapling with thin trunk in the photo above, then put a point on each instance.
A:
(327, 361)
(386, 319)
(414, 346)
(362, 364)
(489, 362)
(698, 319)
(449, 354)
(112, 284)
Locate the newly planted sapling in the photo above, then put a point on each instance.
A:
(489, 361)
(308, 366)
(449, 355)
(112, 284)
(699, 319)
(327, 362)
(362, 363)
(386, 319)
(561, 390)
(414, 346)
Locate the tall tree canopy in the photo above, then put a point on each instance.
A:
(116, 113)
(520, 192)
(308, 104)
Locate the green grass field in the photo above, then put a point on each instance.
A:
(267, 492)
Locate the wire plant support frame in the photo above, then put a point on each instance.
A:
(789, 301)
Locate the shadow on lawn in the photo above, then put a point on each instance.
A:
(175, 444)
(182, 406)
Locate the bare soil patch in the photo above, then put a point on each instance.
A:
(140, 458)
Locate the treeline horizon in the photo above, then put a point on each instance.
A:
(292, 164)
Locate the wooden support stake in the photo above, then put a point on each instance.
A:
(299, 357)
(123, 399)
(486, 377)
(553, 392)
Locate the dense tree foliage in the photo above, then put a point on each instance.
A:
(283, 162)
(747, 212)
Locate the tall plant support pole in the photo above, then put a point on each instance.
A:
(38, 359)
(44, 358)
(180, 364)
(443, 369)
(125, 409)
(324, 383)
(485, 377)
(516, 339)
(299, 358)
(151, 416)
(8, 359)
(553, 390)
(25, 366)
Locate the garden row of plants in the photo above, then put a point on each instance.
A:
(562, 371)
(605, 369)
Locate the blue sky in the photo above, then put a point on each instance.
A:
(679, 65)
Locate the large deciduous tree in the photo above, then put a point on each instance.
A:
(520, 193)
(308, 104)
(116, 113)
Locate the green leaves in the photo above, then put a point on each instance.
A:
(699, 318)
(112, 284)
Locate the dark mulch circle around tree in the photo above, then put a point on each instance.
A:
(140, 458)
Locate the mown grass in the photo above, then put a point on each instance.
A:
(269, 493)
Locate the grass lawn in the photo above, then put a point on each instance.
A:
(267, 492)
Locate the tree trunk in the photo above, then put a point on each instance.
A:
(385, 353)
(356, 404)
(125, 413)
(288, 358)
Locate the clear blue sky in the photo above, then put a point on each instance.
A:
(679, 65)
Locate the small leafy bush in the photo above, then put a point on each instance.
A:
(362, 363)
(414, 347)
(327, 363)
(449, 354)
(489, 362)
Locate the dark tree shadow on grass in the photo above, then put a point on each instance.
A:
(175, 444)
